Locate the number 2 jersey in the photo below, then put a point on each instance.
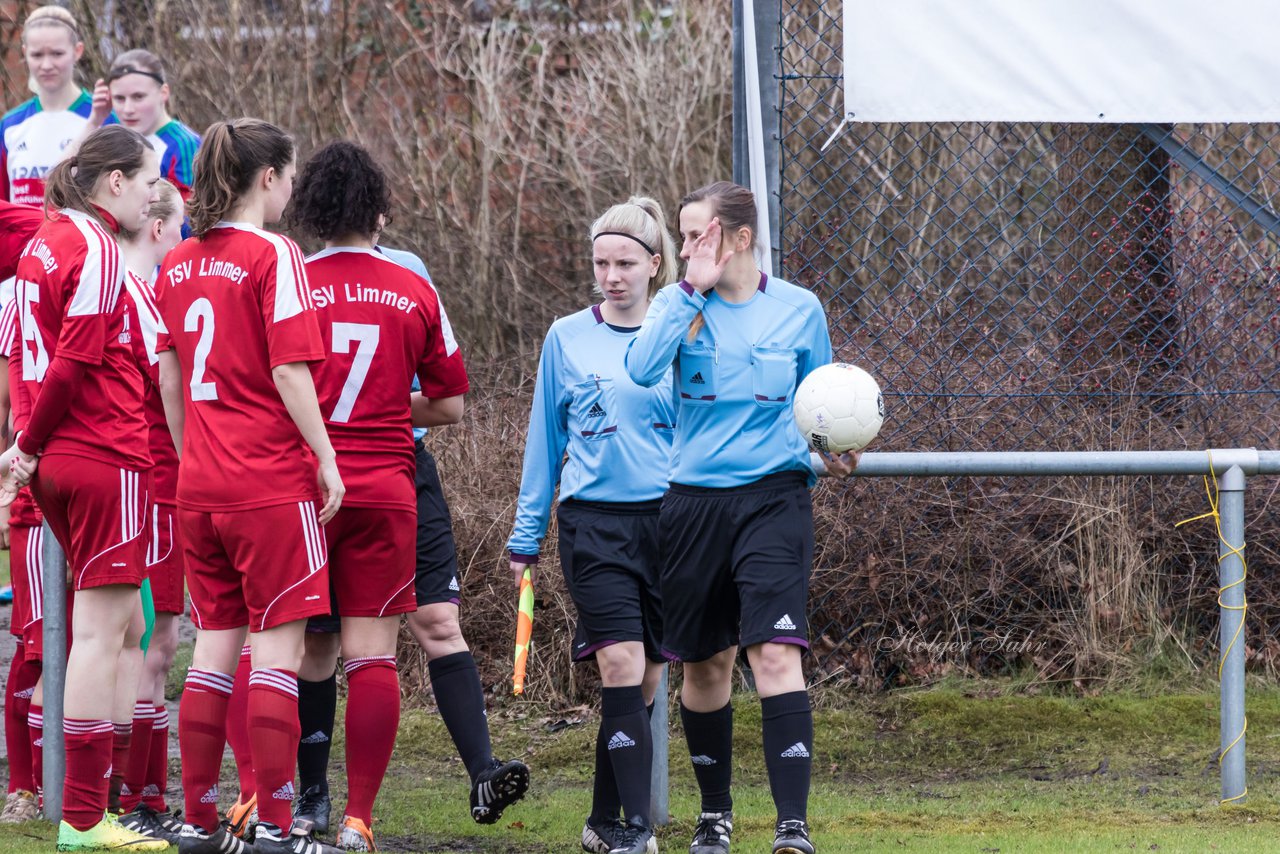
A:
(67, 292)
(382, 324)
(235, 305)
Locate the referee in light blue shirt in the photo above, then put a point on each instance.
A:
(737, 522)
(605, 441)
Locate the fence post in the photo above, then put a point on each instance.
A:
(659, 807)
(55, 671)
(1231, 598)
(767, 24)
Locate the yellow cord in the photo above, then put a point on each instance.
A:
(1243, 607)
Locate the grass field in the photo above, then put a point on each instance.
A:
(932, 771)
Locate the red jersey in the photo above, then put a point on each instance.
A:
(236, 304)
(23, 510)
(142, 318)
(68, 293)
(18, 224)
(381, 324)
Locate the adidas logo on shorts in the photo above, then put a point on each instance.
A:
(453, 584)
(284, 793)
(316, 737)
(621, 739)
(697, 378)
(702, 760)
(596, 411)
(796, 751)
(210, 797)
(24, 695)
(785, 624)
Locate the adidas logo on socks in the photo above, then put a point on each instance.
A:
(796, 751)
(621, 739)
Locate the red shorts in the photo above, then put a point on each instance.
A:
(371, 561)
(26, 565)
(24, 559)
(96, 511)
(263, 567)
(164, 559)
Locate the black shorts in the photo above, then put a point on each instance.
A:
(736, 565)
(435, 577)
(611, 560)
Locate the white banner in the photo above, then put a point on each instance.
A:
(1062, 60)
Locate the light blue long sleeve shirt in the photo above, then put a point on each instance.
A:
(735, 382)
(617, 434)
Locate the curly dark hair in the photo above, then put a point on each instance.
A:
(340, 190)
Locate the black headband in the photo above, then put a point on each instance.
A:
(647, 247)
(117, 73)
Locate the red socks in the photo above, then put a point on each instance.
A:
(273, 734)
(35, 727)
(84, 789)
(373, 716)
(23, 674)
(238, 728)
(122, 737)
(202, 734)
(156, 780)
(135, 769)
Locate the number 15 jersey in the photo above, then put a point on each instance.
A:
(381, 324)
(236, 305)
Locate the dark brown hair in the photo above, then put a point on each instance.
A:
(735, 205)
(230, 158)
(340, 190)
(71, 183)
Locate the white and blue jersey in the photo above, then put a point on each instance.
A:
(736, 380)
(618, 434)
(411, 262)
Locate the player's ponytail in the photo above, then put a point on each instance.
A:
(71, 184)
(735, 205)
(642, 218)
(231, 156)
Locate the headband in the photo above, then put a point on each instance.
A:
(647, 247)
(117, 73)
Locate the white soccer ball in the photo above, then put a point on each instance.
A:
(839, 408)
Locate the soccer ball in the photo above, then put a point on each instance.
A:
(839, 408)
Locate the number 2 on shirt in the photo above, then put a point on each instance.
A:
(200, 318)
(366, 337)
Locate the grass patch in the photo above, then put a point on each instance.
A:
(943, 770)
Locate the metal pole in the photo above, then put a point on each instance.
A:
(659, 809)
(741, 166)
(55, 671)
(1231, 634)
(769, 48)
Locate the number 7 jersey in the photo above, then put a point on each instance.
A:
(381, 324)
(235, 305)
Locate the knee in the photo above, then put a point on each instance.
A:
(775, 664)
(711, 675)
(621, 664)
(437, 630)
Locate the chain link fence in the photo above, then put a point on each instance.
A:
(1030, 287)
